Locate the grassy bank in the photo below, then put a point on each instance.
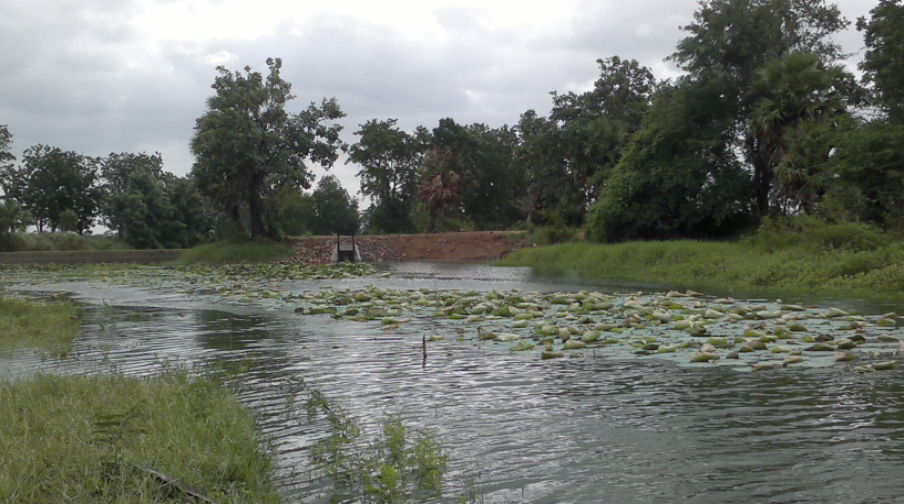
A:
(48, 326)
(93, 438)
(235, 252)
(799, 269)
(57, 242)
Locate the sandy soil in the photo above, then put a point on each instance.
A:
(469, 246)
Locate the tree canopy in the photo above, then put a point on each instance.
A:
(247, 146)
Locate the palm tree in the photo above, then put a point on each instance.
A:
(795, 92)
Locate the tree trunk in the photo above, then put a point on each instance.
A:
(256, 209)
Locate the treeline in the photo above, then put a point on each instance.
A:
(764, 122)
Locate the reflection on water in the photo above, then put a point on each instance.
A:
(582, 431)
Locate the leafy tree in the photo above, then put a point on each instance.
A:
(883, 62)
(494, 182)
(295, 211)
(794, 92)
(729, 42)
(390, 161)
(550, 195)
(678, 177)
(149, 207)
(582, 140)
(865, 176)
(6, 142)
(13, 216)
(247, 146)
(334, 210)
(441, 184)
(51, 181)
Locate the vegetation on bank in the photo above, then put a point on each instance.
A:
(48, 326)
(98, 439)
(228, 252)
(791, 255)
(61, 241)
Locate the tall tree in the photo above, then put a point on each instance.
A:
(679, 177)
(729, 42)
(247, 146)
(51, 181)
(6, 142)
(146, 205)
(883, 62)
(334, 210)
(390, 161)
(795, 92)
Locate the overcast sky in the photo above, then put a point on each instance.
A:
(101, 76)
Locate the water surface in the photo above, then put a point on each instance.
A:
(587, 430)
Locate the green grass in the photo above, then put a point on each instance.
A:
(48, 326)
(235, 252)
(725, 267)
(39, 242)
(88, 439)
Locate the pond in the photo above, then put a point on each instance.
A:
(620, 423)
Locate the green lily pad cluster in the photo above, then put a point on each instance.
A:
(687, 327)
(242, 281)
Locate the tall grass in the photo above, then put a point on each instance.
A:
(48, 326)
(92, 439)
(39, 242)
(792, 268)
(235, 252)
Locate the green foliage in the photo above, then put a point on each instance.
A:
(390, 161)
(731, 41)
(397, 466)
(235, 252)
(6, 141)
(797, 92)
(817, 236)
(68, 221)
(571, 155)
(334, 210)
(151, 208)
(51, 181)
(91, 439)
(48, 326)
(295, 212)
(883, 61)
(744, 268)
(866, 174)
(677, 178)
(248, 146)
(47, 241)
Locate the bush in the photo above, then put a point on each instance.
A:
(817, 235)
(235, 252)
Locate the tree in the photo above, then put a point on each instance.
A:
(729, 42)
(883, 62)
(334, 210)
(51, 181)
(247, 146)
(795, 92)
(678, 177)
(6, 142)
(147, 205)
(441, 185)
(570, 155)
(390, 161)
(550, 196)
(295, 211)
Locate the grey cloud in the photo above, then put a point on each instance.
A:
(66, 81)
